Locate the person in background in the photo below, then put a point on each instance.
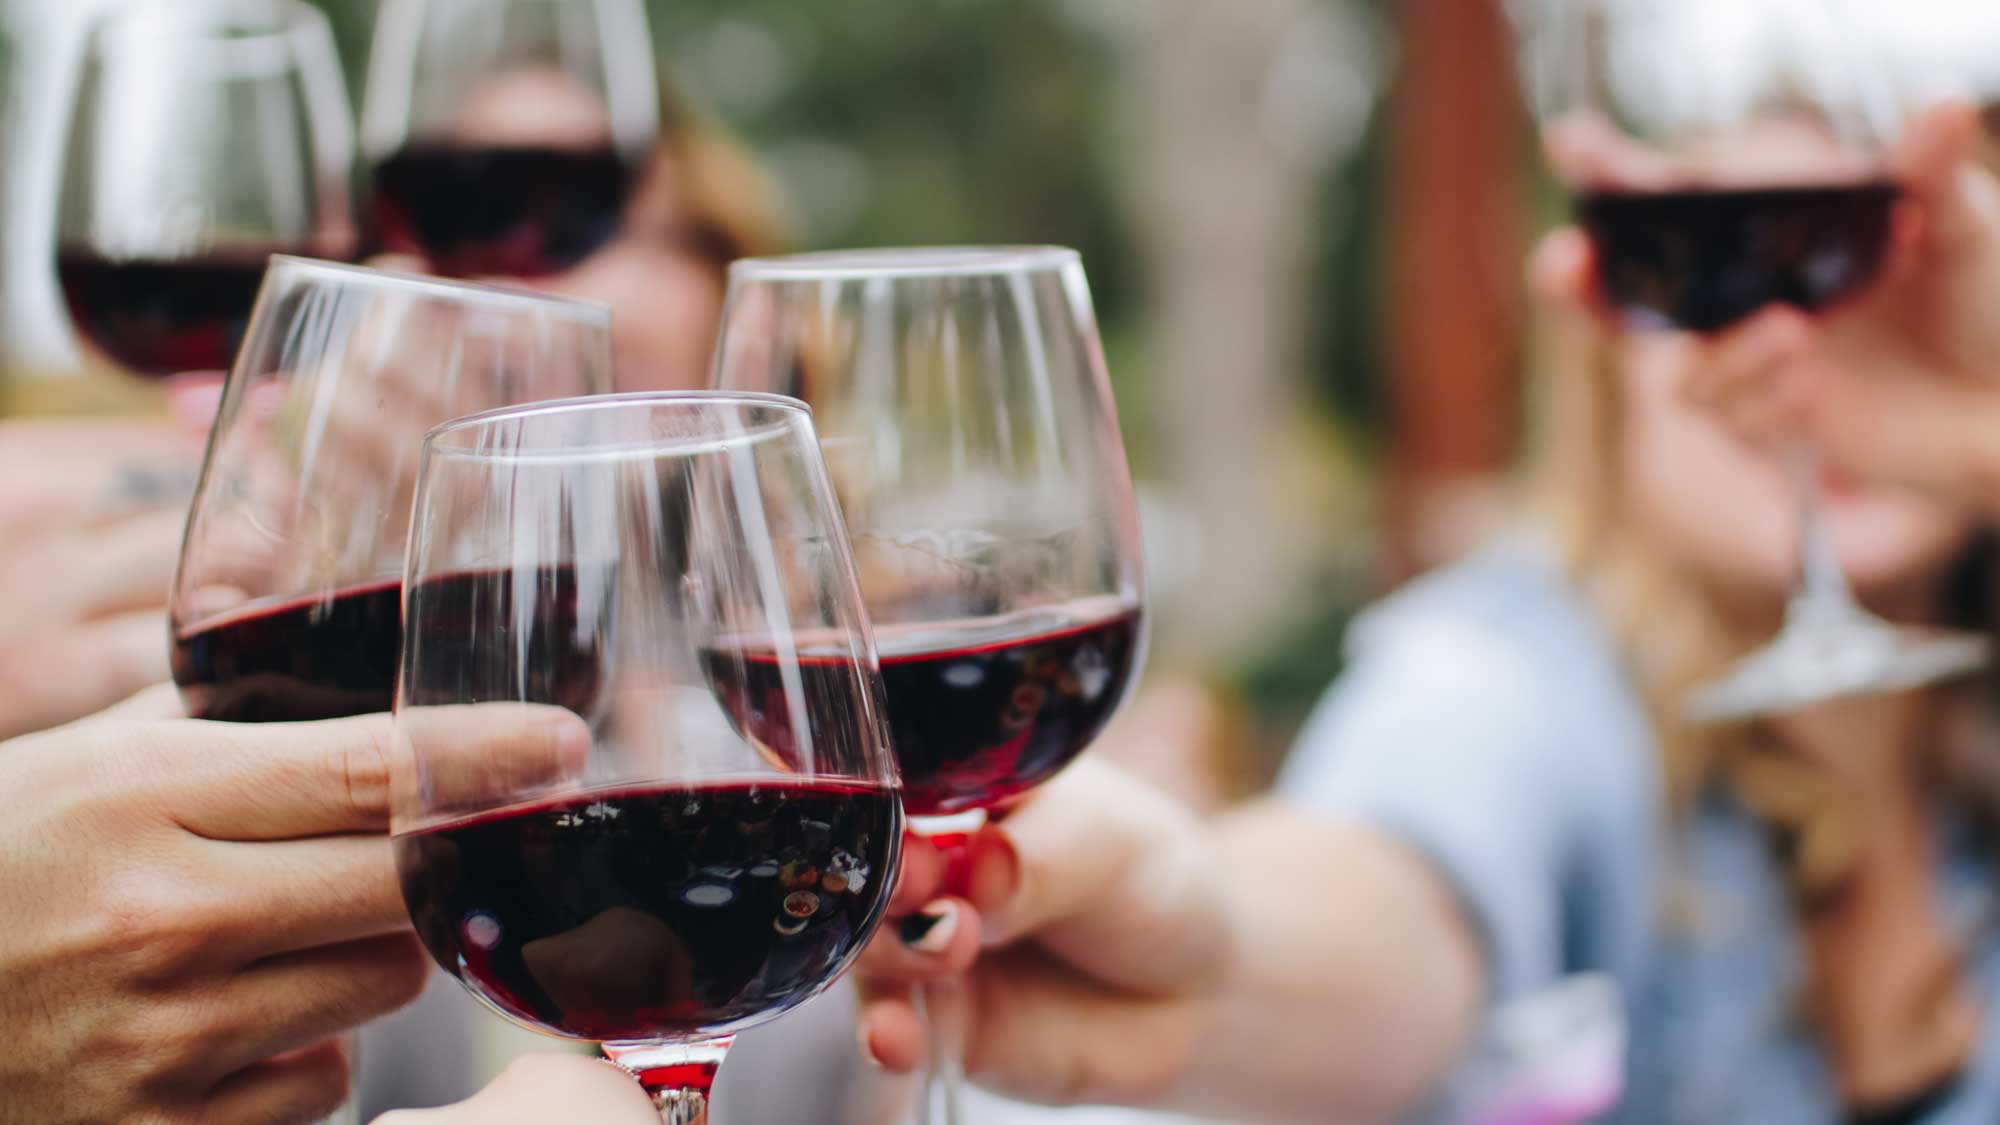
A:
(1499, 807)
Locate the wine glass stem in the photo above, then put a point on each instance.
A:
(944, 1075)
(940, 1097)
(677, 1076)
(1822, 591)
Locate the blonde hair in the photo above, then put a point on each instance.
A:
(708, 194)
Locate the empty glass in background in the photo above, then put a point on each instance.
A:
(204, 136)
(713, 846)
(506, 137)
(963, 402)
(1726, 157)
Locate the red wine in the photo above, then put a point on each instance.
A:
(338, 655)
(314, 658)
(1702, 260)
(503, 211)
(161, 316)
(979, 712)
(656, 913)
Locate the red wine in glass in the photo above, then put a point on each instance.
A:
(655, 912)
(1702, 260)
(979, 712)
(512, 211)
(162, 316)
(334, 656)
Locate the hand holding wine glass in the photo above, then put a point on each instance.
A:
(200, 909)
(618, 557)
(1738, 173)
(1903, 386)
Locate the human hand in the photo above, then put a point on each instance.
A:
(90, 529)
(541, 1090)
(198, 910)
(1899, 385)
(1104, 937)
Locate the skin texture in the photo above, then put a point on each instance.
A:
(199, 909)
(1134, 954)
(538, 1089)
(90, 527)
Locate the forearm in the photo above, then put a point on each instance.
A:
(1353, 978)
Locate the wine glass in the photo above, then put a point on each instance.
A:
(507, 136)
(1725, 158)
(668, 573)
(205, 135)
(286, 606)
(966, 414)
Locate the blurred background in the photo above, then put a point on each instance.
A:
(1310, 320)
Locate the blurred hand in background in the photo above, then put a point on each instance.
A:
(90, 527)
(1900, 385)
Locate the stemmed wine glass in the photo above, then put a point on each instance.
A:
(668, 574)
(507, 136)
(966, 415)
(1725, 158)
(286, 603)
(205, 135)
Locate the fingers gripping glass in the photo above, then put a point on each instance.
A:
(1726, 158)
(966, 414)
(716, 838)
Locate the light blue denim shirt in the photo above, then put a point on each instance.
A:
(1486, 721)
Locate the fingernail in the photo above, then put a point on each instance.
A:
(931, 930)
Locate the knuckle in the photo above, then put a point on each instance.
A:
(363, 767)
(151, 924)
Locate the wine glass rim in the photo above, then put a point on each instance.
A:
(435, 440)
(598, 313)
(289, 19)
(906, 262)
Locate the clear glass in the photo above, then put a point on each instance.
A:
(1726, 157)
(285, 606)
(966, 414)
(668, 574)
(204, 136)
(506, 137)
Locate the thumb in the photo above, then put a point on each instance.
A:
(1109, 876)
(538, 1089)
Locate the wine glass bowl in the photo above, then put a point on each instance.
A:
(595, 562)
(507, 137)
(204, 136)
(967, 419)
(287, 602)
